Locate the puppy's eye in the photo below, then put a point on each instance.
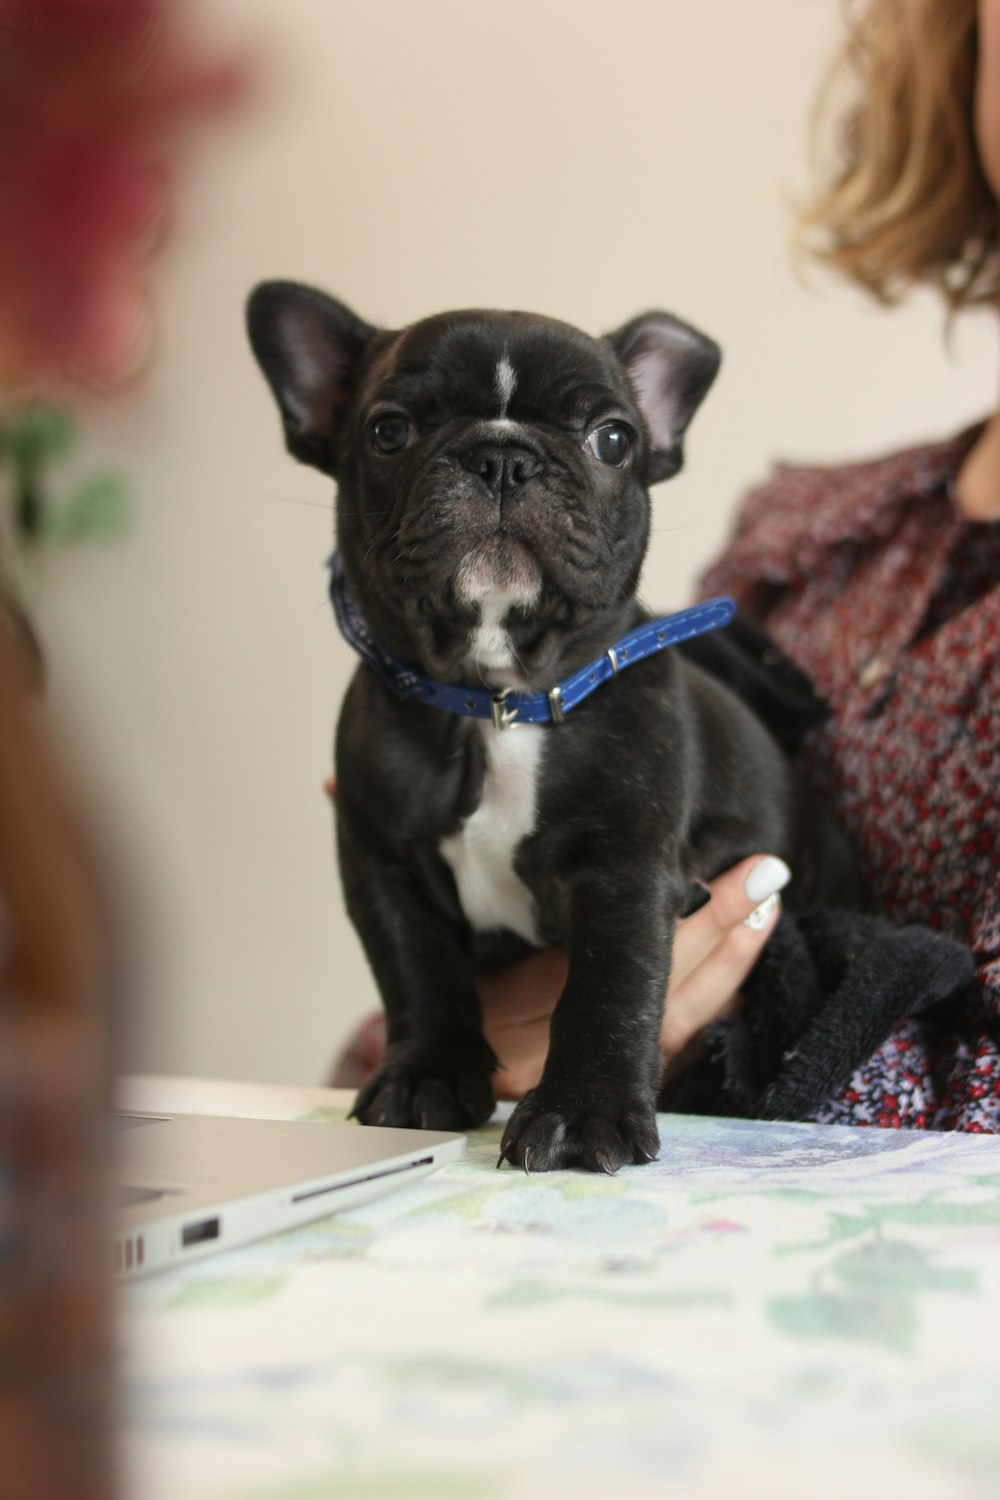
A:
(611, 443)
(391, 433)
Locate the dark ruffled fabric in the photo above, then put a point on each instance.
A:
(828, 990)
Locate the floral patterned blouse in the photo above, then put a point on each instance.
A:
(872, 580)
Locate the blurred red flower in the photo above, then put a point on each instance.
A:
(95, 96)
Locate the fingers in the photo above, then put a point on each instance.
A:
(715, 949)
(735, 896)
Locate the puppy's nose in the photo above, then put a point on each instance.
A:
(505, 471)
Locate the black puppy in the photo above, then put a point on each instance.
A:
(492, 518)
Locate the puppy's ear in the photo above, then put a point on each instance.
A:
(670, 367)
(307, 345)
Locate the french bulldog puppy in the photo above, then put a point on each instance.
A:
(493, 513)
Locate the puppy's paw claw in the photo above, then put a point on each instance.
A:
(641, 1130)
(425, 1096)
(544, 1137)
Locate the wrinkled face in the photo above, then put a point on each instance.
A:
(489, 481)
(492, 468)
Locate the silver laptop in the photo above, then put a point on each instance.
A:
(188, 1185)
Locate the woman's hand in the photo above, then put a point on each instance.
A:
(714, 951)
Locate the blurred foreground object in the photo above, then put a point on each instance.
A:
(55, 985)
(94, 96)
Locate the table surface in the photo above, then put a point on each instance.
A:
(767, 1309)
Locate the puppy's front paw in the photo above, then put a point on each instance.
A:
(548, 1131)
(442, 1092)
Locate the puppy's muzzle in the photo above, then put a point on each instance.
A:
(505, 471)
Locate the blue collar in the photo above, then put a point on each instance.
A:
(509, 707)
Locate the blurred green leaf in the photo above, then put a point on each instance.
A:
(97, 510)
(38, 434)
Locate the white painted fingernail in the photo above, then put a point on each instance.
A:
(762, 914)
(768, 876)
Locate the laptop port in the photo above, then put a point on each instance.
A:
(198, 1233)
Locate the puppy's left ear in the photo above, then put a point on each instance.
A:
(308, 345)
(670, 367)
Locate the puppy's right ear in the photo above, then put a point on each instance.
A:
(307, 345)
(670, 366)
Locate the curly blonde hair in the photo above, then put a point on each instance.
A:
(906, 201)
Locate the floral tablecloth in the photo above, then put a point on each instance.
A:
(767, 1310)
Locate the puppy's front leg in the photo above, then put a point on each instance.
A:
(438, 1067)
(595, 1104)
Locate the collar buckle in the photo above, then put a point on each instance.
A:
(503, 717)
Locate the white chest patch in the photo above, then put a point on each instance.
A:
(481, 853)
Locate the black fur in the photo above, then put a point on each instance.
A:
(658, 781)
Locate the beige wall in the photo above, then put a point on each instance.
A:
(566, 156)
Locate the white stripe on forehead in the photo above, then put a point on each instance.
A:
(504, 383)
